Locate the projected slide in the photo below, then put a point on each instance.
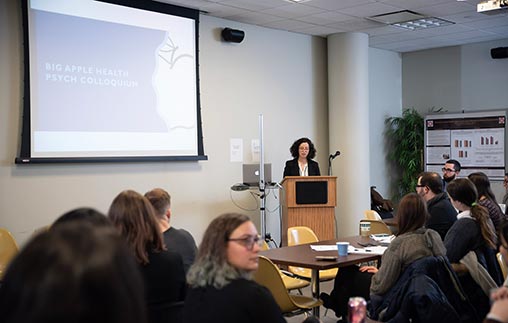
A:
(108, 81)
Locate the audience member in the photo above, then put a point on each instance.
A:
(221, 286)
(451, 170)
(379, 204)
(486, 198)
(302, 164)
(442, 214)
(86, 214)
(77, 273)
(471, 241)
(505, 197)
(499, 310)
(178, 240)
(413, 241)
(162, 270)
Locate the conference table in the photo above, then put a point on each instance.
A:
(303, 256)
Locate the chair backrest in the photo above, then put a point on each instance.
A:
(265, 245)
(372, 215)
(8, 249)
(268, 275)
(301, 235)
(376, 227)
(502, 264)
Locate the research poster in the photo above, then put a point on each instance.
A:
(476, 140)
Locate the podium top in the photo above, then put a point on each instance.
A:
(311, 178)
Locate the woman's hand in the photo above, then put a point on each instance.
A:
(501, 292)
(369, 269)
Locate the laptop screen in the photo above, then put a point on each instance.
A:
(251, 174)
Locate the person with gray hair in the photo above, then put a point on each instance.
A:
(221, 288)
(177, 240)
(441, 211)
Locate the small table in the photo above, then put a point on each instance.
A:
(303, 256)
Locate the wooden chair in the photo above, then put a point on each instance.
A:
(376, 227)
(372, 215)
(268, 275)
(502, 264)
(290, 282)
(8, 249)
(301, 235)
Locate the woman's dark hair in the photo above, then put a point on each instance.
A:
(75, 272)
(412, 213)
(294, 148)
(134, 216)
(463, 190)
(482, 183)
(503, 233)
(86, 214)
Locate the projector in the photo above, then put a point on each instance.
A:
(491, 7)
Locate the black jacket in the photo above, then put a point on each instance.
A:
(292, 169)
(442, 214)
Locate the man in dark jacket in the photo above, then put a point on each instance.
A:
(442, 213)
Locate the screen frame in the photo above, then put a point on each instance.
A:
(25, 157)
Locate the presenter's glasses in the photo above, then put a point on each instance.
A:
(249, 241)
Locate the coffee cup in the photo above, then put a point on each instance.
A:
(342, 248)
(365, 229)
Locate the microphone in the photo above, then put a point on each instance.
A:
(337, 153)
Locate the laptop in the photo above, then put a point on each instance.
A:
(251, 174)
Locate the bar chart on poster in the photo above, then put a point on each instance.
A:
(475, 139)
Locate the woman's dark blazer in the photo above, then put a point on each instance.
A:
(292, 169)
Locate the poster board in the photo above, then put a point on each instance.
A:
(475, 139)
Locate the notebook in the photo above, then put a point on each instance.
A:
(251, 174)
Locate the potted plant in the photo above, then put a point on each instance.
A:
(405, 137)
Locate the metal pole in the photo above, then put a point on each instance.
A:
(262, 195)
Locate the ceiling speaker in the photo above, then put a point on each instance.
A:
(233, 35)
(499, 52)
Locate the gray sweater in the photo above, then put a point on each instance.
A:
(401, 252)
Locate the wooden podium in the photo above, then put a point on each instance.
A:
(309, 201)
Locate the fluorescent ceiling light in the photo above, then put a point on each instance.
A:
(410, 20)
(297, 1)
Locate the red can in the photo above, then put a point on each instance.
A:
(357, 310)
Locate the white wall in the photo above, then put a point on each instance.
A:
(281, 75)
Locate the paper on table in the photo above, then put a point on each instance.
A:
(382, 238)
(323, 247)
(376, 250)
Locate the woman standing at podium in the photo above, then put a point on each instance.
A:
(303, 151)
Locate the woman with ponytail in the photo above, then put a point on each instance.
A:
(473, 231)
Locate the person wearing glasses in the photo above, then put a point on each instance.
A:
(442, 214)
(451, 170)
(221, 288)
(303, 151)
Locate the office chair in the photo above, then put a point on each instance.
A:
(301, 235)
(268, 275)
(290, 282)
(376, 227)
(8, 249)
(502, 264)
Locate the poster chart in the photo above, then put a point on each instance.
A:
(476, 140)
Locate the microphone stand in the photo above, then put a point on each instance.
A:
(330, 165)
